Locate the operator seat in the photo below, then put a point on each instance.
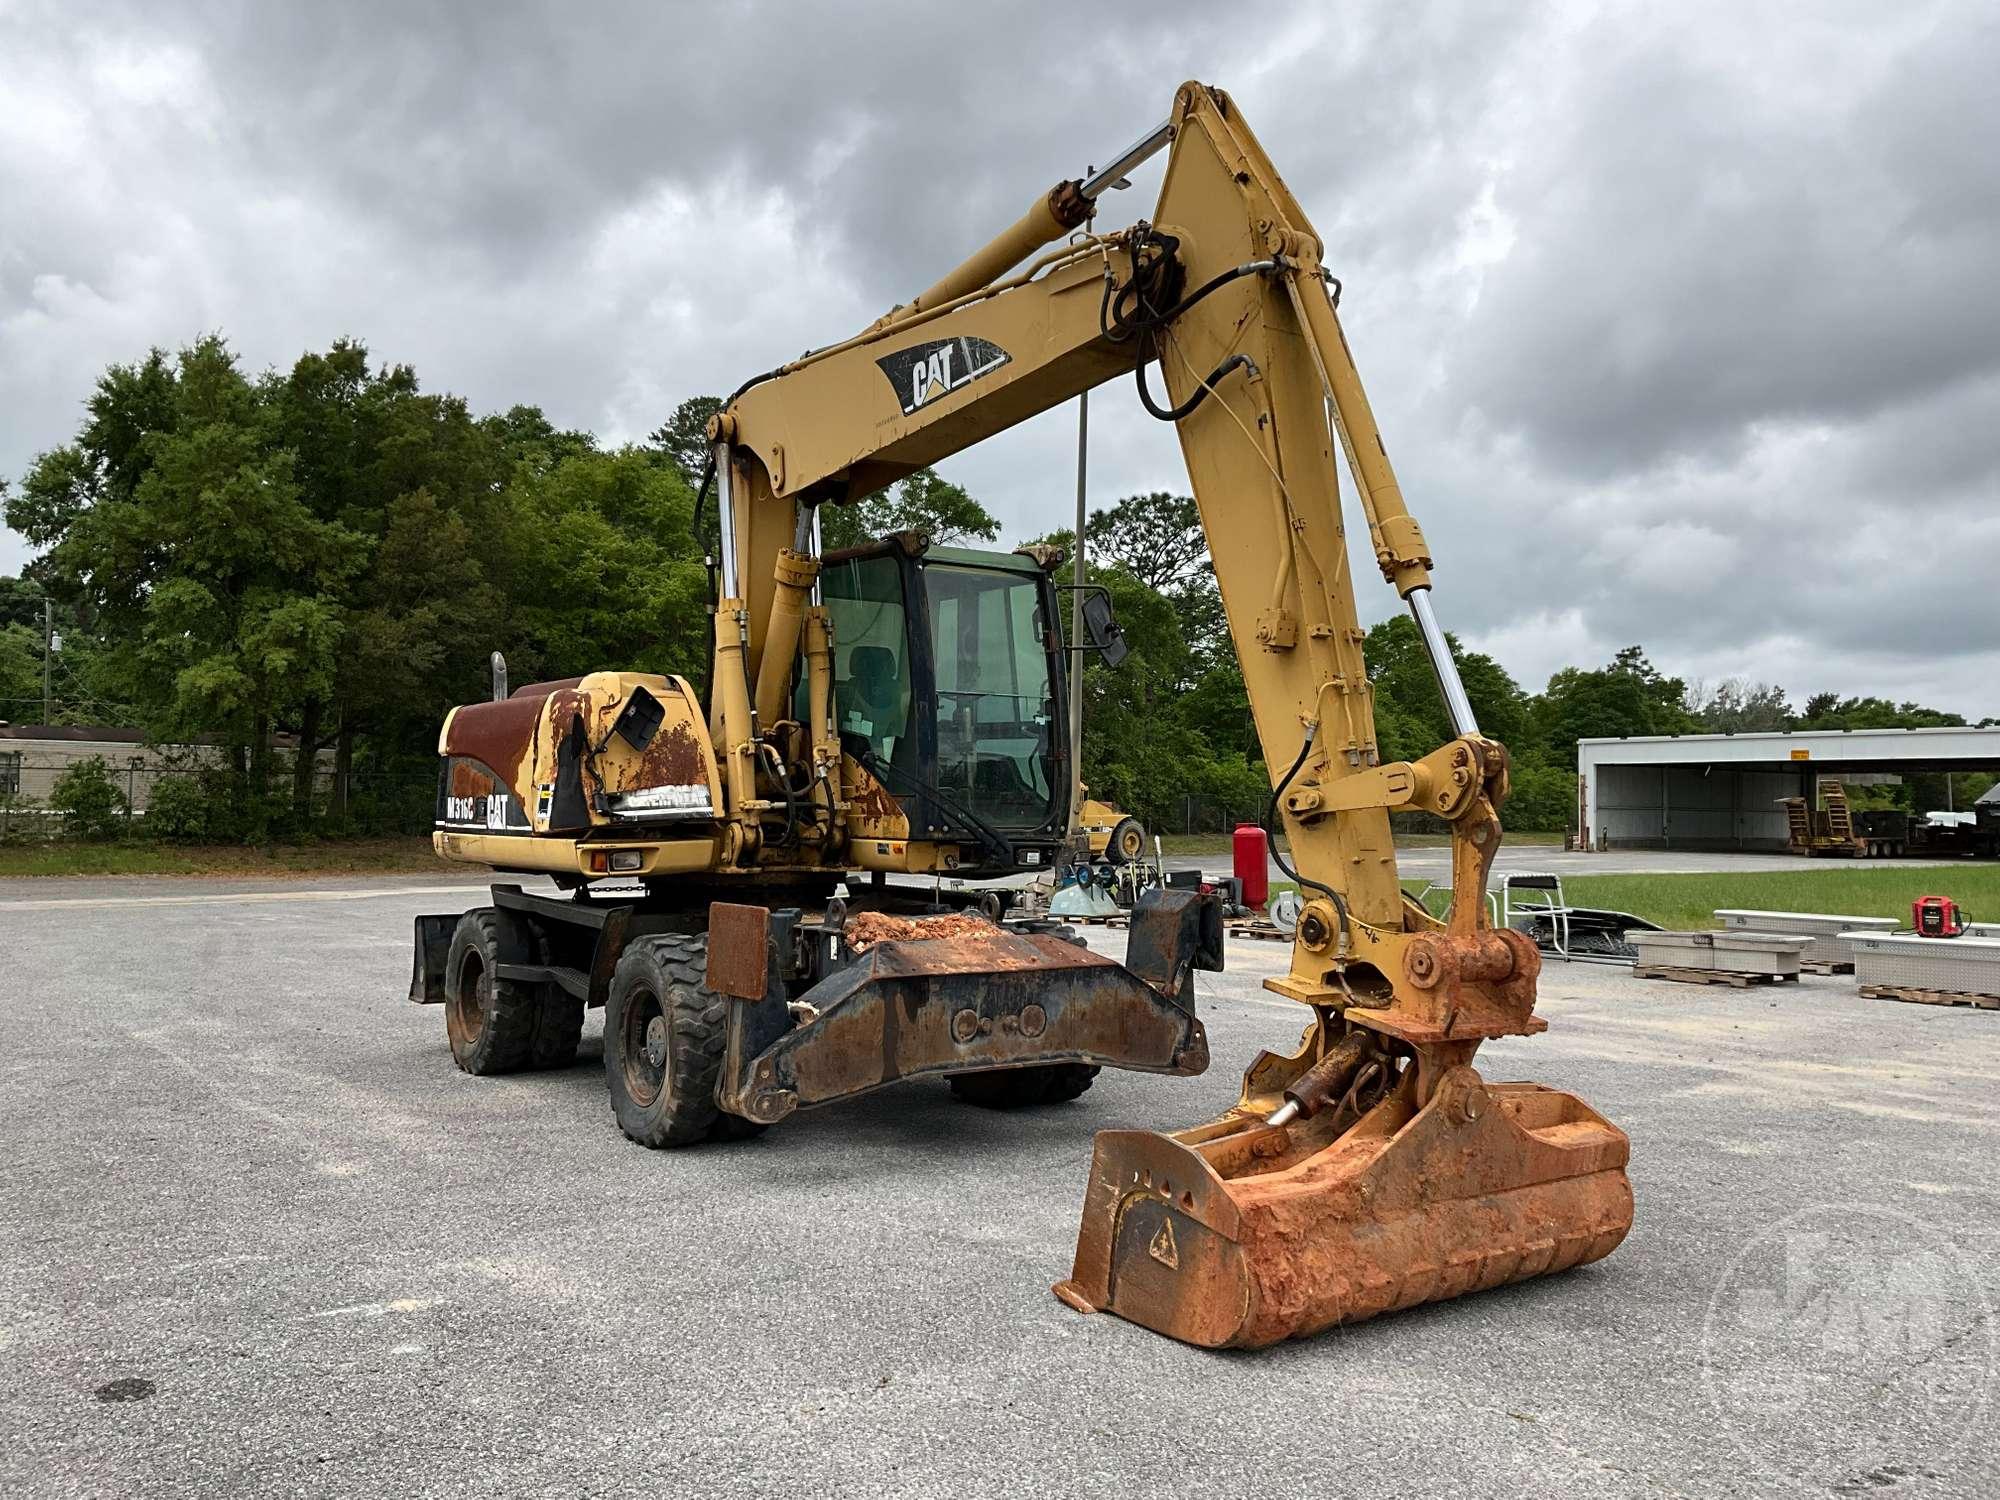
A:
(875, 693)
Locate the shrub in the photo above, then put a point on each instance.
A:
(178, 809)
(88, 800)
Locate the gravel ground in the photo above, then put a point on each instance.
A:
(258, 1236)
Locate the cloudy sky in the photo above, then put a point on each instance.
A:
(1683, 321)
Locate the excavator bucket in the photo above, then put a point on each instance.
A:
(1238, 1234)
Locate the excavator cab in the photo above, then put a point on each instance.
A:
(948, 671)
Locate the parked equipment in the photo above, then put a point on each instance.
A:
(1372, 1168)
(1110, 835)
(1827, 829)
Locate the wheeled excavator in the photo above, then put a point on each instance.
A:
(888, 712)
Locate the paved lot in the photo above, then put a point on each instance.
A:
(237, 1165)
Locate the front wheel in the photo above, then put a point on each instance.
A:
(664, 1031)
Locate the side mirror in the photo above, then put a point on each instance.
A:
(1102, 632)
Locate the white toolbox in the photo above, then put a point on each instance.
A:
(1829, 934)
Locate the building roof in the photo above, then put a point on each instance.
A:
(1854, 749)
(114, 734)
(103, 733)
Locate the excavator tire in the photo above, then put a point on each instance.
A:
(490, 1022)
(558, 1022)
(558, 1029)
(664, 1031)
(1127, 842)
(1021, 1088)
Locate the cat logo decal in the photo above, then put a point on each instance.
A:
(923, 372)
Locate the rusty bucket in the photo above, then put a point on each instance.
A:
(1238, 1234)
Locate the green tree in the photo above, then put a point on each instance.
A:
(609, 576)
(177, 525)
(1627, 697)
(1411, 720)
(20, 674)
(683, 437)
(420, 482)
(1740, 707)
(1826, 711)
(923, 502)
(20, 598)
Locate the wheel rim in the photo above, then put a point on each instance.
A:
(465, 1011)
(644, 1047)
(1132, 844)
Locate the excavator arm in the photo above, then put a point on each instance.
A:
(1376, 1137)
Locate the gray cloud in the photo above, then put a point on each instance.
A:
(1679, 322)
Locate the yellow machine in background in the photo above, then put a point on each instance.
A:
(1369, 1168)
(1110, 835)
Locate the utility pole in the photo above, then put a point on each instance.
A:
(1075, 654)
(48, 660)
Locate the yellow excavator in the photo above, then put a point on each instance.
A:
(893, 711)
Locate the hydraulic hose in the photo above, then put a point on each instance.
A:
(1270, 834)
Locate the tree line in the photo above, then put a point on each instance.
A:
(331, 552)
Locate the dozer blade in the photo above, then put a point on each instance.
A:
(977, 999)
(1237, 1234)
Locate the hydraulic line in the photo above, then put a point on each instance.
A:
(1271, 837)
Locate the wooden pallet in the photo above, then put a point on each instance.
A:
(1709, 976)
(1261, 930)
(1929, 997)
(1111, 922)
(1824, 966)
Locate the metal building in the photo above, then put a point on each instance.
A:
(1723, 791)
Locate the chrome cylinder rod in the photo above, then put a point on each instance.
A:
(725, 515)
(1456, 703)
(813, 540)
(1113, 176)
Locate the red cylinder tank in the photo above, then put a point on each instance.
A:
(1253, 865)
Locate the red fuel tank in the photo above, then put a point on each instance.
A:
(1253, 865)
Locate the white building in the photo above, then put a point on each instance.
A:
(1722, 791)
(32, 756)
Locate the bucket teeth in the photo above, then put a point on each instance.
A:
(1244, 1239)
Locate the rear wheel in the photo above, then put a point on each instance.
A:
(1128, 842)
(664, 1031)
(1020, 1088)
(558, 1029)
(490, 1021)
(559, 1015)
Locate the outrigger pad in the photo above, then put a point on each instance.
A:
(1237, 1235)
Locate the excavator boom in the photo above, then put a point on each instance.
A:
(1373, 1167)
